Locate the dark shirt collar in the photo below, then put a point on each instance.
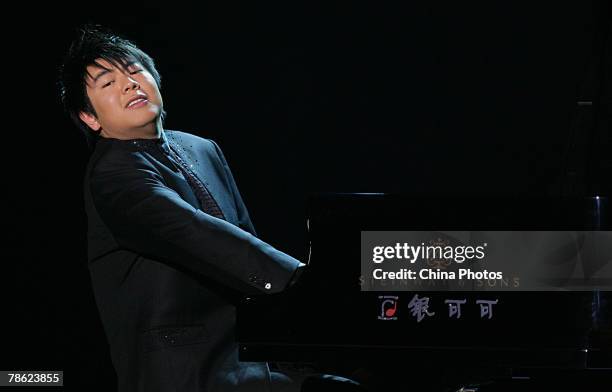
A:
(140, 144)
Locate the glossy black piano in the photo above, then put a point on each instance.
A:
(561, 337)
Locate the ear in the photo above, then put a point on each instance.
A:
(90, 120)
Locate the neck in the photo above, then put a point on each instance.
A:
(149, 131)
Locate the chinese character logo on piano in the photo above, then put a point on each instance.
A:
(419, 308)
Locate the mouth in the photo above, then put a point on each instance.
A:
(137, 101)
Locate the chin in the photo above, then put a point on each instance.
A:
(144, 117)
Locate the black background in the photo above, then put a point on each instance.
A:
(428, 98)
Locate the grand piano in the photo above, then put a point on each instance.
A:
(559, 339)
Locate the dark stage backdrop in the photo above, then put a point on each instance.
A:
(440, 98)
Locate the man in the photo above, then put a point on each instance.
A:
(171, 247)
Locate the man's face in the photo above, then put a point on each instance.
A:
(127, 102)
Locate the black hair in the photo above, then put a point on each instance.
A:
(93, 42)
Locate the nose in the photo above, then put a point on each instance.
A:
(131, 84)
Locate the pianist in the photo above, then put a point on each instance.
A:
(171, 246)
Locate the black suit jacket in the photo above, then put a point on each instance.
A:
(165, 274)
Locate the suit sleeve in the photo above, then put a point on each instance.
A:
(243, 214)
(146, 216)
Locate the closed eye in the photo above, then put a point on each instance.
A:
(107, 84)
(135, 71)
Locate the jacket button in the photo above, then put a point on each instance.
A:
(169, 339)
(268, 286)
